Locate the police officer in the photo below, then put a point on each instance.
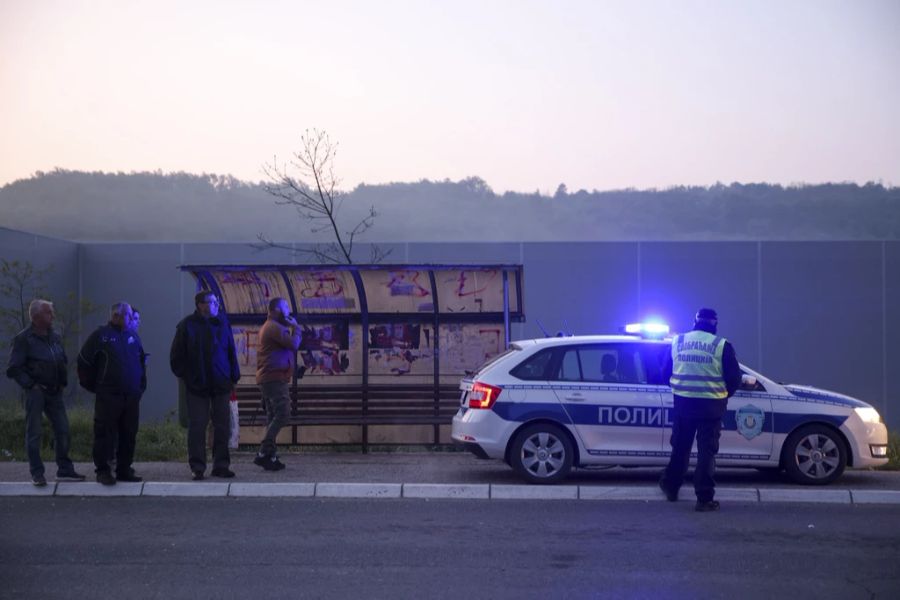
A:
(38, 364)
(703, 372)
(111, 364)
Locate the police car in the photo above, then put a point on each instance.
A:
(547, 405)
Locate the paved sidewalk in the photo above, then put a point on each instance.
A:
(442, 475)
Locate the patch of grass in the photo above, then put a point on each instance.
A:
(156, 441)
(893, 452)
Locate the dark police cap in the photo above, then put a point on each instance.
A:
(708, 314)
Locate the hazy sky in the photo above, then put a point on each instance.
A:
(525, 94)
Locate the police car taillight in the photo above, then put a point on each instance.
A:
(483, 395)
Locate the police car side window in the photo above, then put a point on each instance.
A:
(569, 369)
(612, 363)
(534, 367)
(654, 357)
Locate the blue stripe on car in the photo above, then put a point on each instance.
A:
(653, 417)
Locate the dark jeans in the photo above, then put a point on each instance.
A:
(39, 402)
(200, 409)
(116, 418)
(707, 431)
(276, 398)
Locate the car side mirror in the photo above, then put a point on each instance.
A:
(748, 382)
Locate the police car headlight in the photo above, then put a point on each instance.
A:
(868, 414)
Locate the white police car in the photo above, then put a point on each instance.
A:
(547, 405)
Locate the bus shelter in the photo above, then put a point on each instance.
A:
(384, 346)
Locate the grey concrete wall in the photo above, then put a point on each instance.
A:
(821, 313)
(41, 252)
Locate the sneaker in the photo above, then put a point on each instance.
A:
(129, 477)
(671, 496)
(707, 506)
(197, 475)
(223, 472)
(38, 480)
(71, 476)
(269, 463)
(106, 478)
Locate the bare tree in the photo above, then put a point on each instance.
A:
(309, 185)
(20, 282)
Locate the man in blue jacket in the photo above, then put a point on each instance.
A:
(111, 365)
(37, 362)
(203, 356)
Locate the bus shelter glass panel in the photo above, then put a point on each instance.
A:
(401, 291)
(473, 291)
(246, 342)
(401, 348)
(467, 346)
(247, 292)
(325, 291)
(331, 349)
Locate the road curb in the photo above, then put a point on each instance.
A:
(802, 495)
(272, 490)
(461, 491)
(358, 490)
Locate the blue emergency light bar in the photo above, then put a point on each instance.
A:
(648, 329)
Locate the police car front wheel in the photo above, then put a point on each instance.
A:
(542, 453)
(814, 455)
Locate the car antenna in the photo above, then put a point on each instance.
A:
(541, 325)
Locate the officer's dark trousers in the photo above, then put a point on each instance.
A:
(702, 420)
(37, 402)
(200, 409)
(116, 418)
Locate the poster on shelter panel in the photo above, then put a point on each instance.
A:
(325, 349)
(248, 292)
(324, 291)
(400, 291)
(467, 346)
(401, 348)
(473, 291)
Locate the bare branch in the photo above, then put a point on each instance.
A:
(313, 191)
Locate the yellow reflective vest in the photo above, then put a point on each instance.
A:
(697, 366)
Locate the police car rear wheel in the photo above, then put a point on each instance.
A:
(814, 455)
(542, 453)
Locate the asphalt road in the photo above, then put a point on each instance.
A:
(279, 548)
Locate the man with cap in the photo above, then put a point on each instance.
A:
(703, 372)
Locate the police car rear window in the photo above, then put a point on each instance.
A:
(534, 367)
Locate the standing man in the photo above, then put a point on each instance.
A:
(111, 365)
(703, 372)
(38, 363)
(204, 358)
(276, 360)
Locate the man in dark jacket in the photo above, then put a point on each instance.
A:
(38, 363)
(703, 372)
(204, 358)
(111, 365)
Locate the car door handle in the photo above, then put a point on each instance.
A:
(576, 397)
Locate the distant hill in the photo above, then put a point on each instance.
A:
(185, 207)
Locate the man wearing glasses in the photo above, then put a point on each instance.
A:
(204, 358)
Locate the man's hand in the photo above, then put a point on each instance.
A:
(291, 321)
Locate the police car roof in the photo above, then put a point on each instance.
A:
(589, 339)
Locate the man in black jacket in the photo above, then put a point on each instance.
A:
(111, 365)
(204, 358)
(38, 363)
